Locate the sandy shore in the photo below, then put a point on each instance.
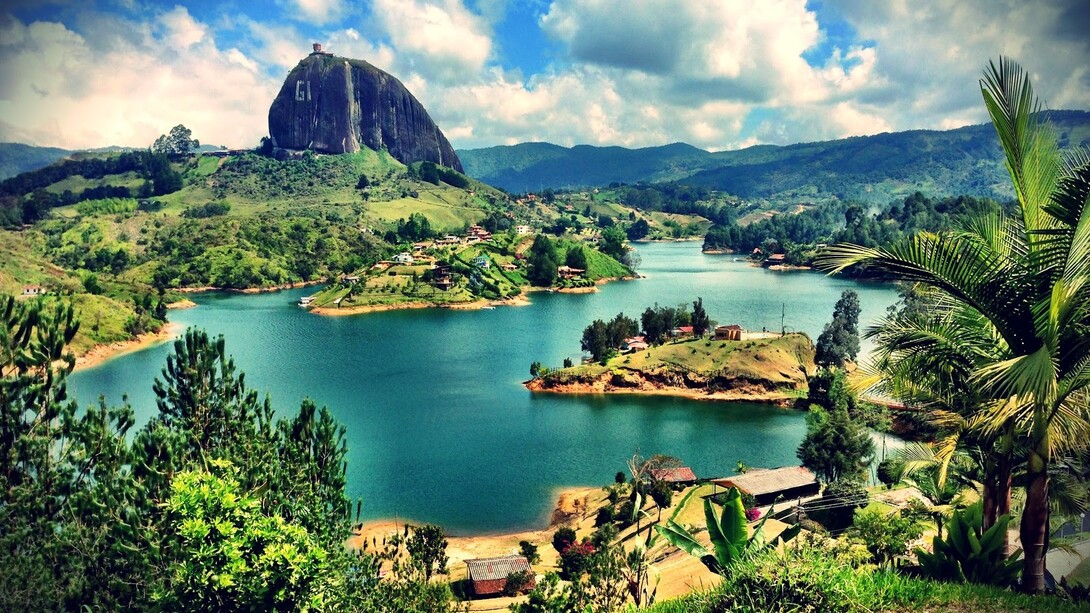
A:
(100, 353)
(185, 303)
(520, 300)
(578, 290)
(584, 389)
(574, 507)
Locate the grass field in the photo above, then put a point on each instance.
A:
(775, 359)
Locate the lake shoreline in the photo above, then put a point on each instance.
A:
(778, 399)
(103, 352)
(570, 506)
(522, 299)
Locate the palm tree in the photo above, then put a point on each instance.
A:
(926, 356)
(1028, 275)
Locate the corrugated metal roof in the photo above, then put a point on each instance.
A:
(673, 475)
(485, 569)
(766, 481)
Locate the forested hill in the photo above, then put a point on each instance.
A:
(869, 168)
(17, 158)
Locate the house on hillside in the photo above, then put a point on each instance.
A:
(635, 343)
(488, 576)
(681, 331)
(509, 267)
(680, 476)
(776, 259)
(772, 484)
(732, 332)
(403, 258)
(33, 290)
(482, 262)
(567, 272)
(523, 229)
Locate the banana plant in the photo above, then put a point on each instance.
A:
(730, 535)
(969, 553)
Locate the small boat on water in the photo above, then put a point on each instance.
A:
(489, 308)
(306, 301)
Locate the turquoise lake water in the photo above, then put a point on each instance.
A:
(440, 428)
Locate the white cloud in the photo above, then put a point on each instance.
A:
(719, 74)
(928, 58)
(57, 88)
(182, 30)
(320, 11)
(441, 39)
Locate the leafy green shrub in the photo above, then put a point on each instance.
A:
(970, 553)
(517, 582)
(729, 533)
(886, 535)
(529, 551)
(563, 538)
(204, 211)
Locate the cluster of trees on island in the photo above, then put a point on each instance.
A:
(602, 339)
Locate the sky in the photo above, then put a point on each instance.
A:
(718, 74)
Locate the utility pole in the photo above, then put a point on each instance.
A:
(783, 315)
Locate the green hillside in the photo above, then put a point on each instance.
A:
(116, 230)
(869, 168)
(17, 158)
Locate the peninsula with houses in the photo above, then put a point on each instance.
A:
(474, 269)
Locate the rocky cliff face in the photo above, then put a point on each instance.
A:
(336, 105)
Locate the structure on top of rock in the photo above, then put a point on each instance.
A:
(333, 104)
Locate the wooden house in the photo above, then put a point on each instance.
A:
(768, 485)
(488, 576)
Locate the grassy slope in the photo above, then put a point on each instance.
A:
(773, 360)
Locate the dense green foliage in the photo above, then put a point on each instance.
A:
(845, 221)
(969, 552)
(178, 143)
(543, 261)
(839, 340)
(1006, 352)
(169, 516)
(260, 251)
(602, 339)
(26, 193)
(835, 447)
(811, 576)
(730, 535)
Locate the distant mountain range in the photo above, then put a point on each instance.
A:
(870, 168)
(874, 169)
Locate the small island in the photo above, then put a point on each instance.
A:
(728, 365)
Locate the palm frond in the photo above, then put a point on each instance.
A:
(1029, 146)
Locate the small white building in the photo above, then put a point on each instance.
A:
(403, 258)
(33, 290)
(520, 230)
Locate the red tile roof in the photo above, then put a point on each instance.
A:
(673, 475)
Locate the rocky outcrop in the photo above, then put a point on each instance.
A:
(337, 105)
